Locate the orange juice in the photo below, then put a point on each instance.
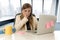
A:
(8, 30)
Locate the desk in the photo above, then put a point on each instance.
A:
(30, 36)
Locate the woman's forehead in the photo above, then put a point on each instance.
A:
(27, 9)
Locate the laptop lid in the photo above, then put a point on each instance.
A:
(46, 24)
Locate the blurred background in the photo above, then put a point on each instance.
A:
(9, 9)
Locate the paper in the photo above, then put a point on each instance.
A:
(20, 32)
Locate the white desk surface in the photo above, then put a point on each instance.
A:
(30, 36)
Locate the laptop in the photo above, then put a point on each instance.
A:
(46, 24)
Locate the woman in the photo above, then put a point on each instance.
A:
(26, 21)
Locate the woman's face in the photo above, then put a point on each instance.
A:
(26, 12)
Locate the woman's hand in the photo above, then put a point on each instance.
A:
(25, 15)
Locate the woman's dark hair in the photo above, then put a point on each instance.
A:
(30, 19)
(27, 5)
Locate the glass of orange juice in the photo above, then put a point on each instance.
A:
(8, 30)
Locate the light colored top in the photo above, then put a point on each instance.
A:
(19, 23)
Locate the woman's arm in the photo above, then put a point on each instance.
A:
(19, 23)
